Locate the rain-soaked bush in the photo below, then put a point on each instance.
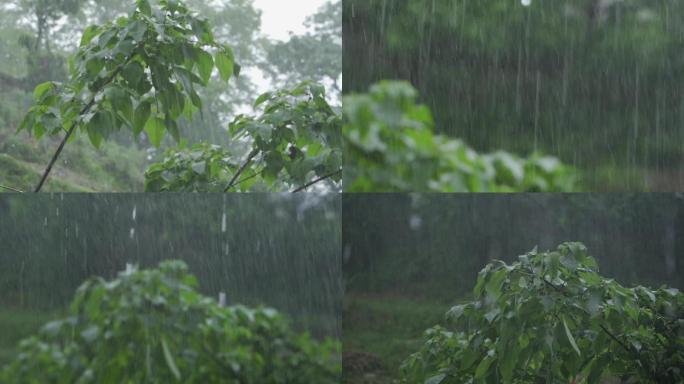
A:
(551, 318)
(390, 146)
(152, 326)
(293, 144)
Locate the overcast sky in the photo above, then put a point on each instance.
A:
(279, 17)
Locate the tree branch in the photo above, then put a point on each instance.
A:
(609, 333)
(244, 165)
(11, 189)
(72, 128)
(307, 185)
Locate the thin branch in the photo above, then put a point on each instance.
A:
(307, 185)
(609, 333)
(73, 126)
(11, 189)
(244, 165)
(255, 174)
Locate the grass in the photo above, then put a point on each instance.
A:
(81, 168)
(17, 324)
(380, 331)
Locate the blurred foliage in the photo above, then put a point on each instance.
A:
(280, 250)
(390, 146)
(294, 142)
(182, 336)
(314, 55)
(550, 317)
(438, 242)
(121, 76)
(25, 64)
(592, 82)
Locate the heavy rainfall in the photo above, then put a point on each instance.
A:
(409, 259)
(593, 83)
(276, 250)
(156, 95)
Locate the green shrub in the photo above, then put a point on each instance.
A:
(551, 318)
(294, 142)
(153, 326)
(390, 146)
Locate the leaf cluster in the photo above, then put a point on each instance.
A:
(294, 140)
(551, 318)
(390, 146)
(139, 72)
(153, 326)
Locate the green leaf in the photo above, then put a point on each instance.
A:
(95, 138)
(42, 89)
(121, 101)
(155, 130)
(262, 98)
(483, 367)
(199, 167)
(172, 128)
(168, 357)
(570, 338)
(225, 63)
(88, 34)
(133, 73)
(205, 65)
(99, 127)
(142, 114)
(437, 379)
(94, 66)
(144, 7)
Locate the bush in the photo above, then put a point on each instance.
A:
(295, 141)
(551, 318)
(390, 146)
(153, 326)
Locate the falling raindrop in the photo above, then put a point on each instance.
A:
(415, 222)
(223, 223)
(132, 233)
(135, 209)
(526, 3)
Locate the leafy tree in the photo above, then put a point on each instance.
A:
(294, 144)
(139, 72)
(153, 326)
(390, 146)
(42, 63)
(551, 318)
(314, 55)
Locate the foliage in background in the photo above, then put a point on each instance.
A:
(315, 55)
(58, 25)
(390, 146)
(550, 317)
(294, 142)
(592, 82)
(153, 326)
(139, 72)
(279, 250)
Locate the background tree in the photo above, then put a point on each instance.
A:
(591, 82)
(314, 55)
